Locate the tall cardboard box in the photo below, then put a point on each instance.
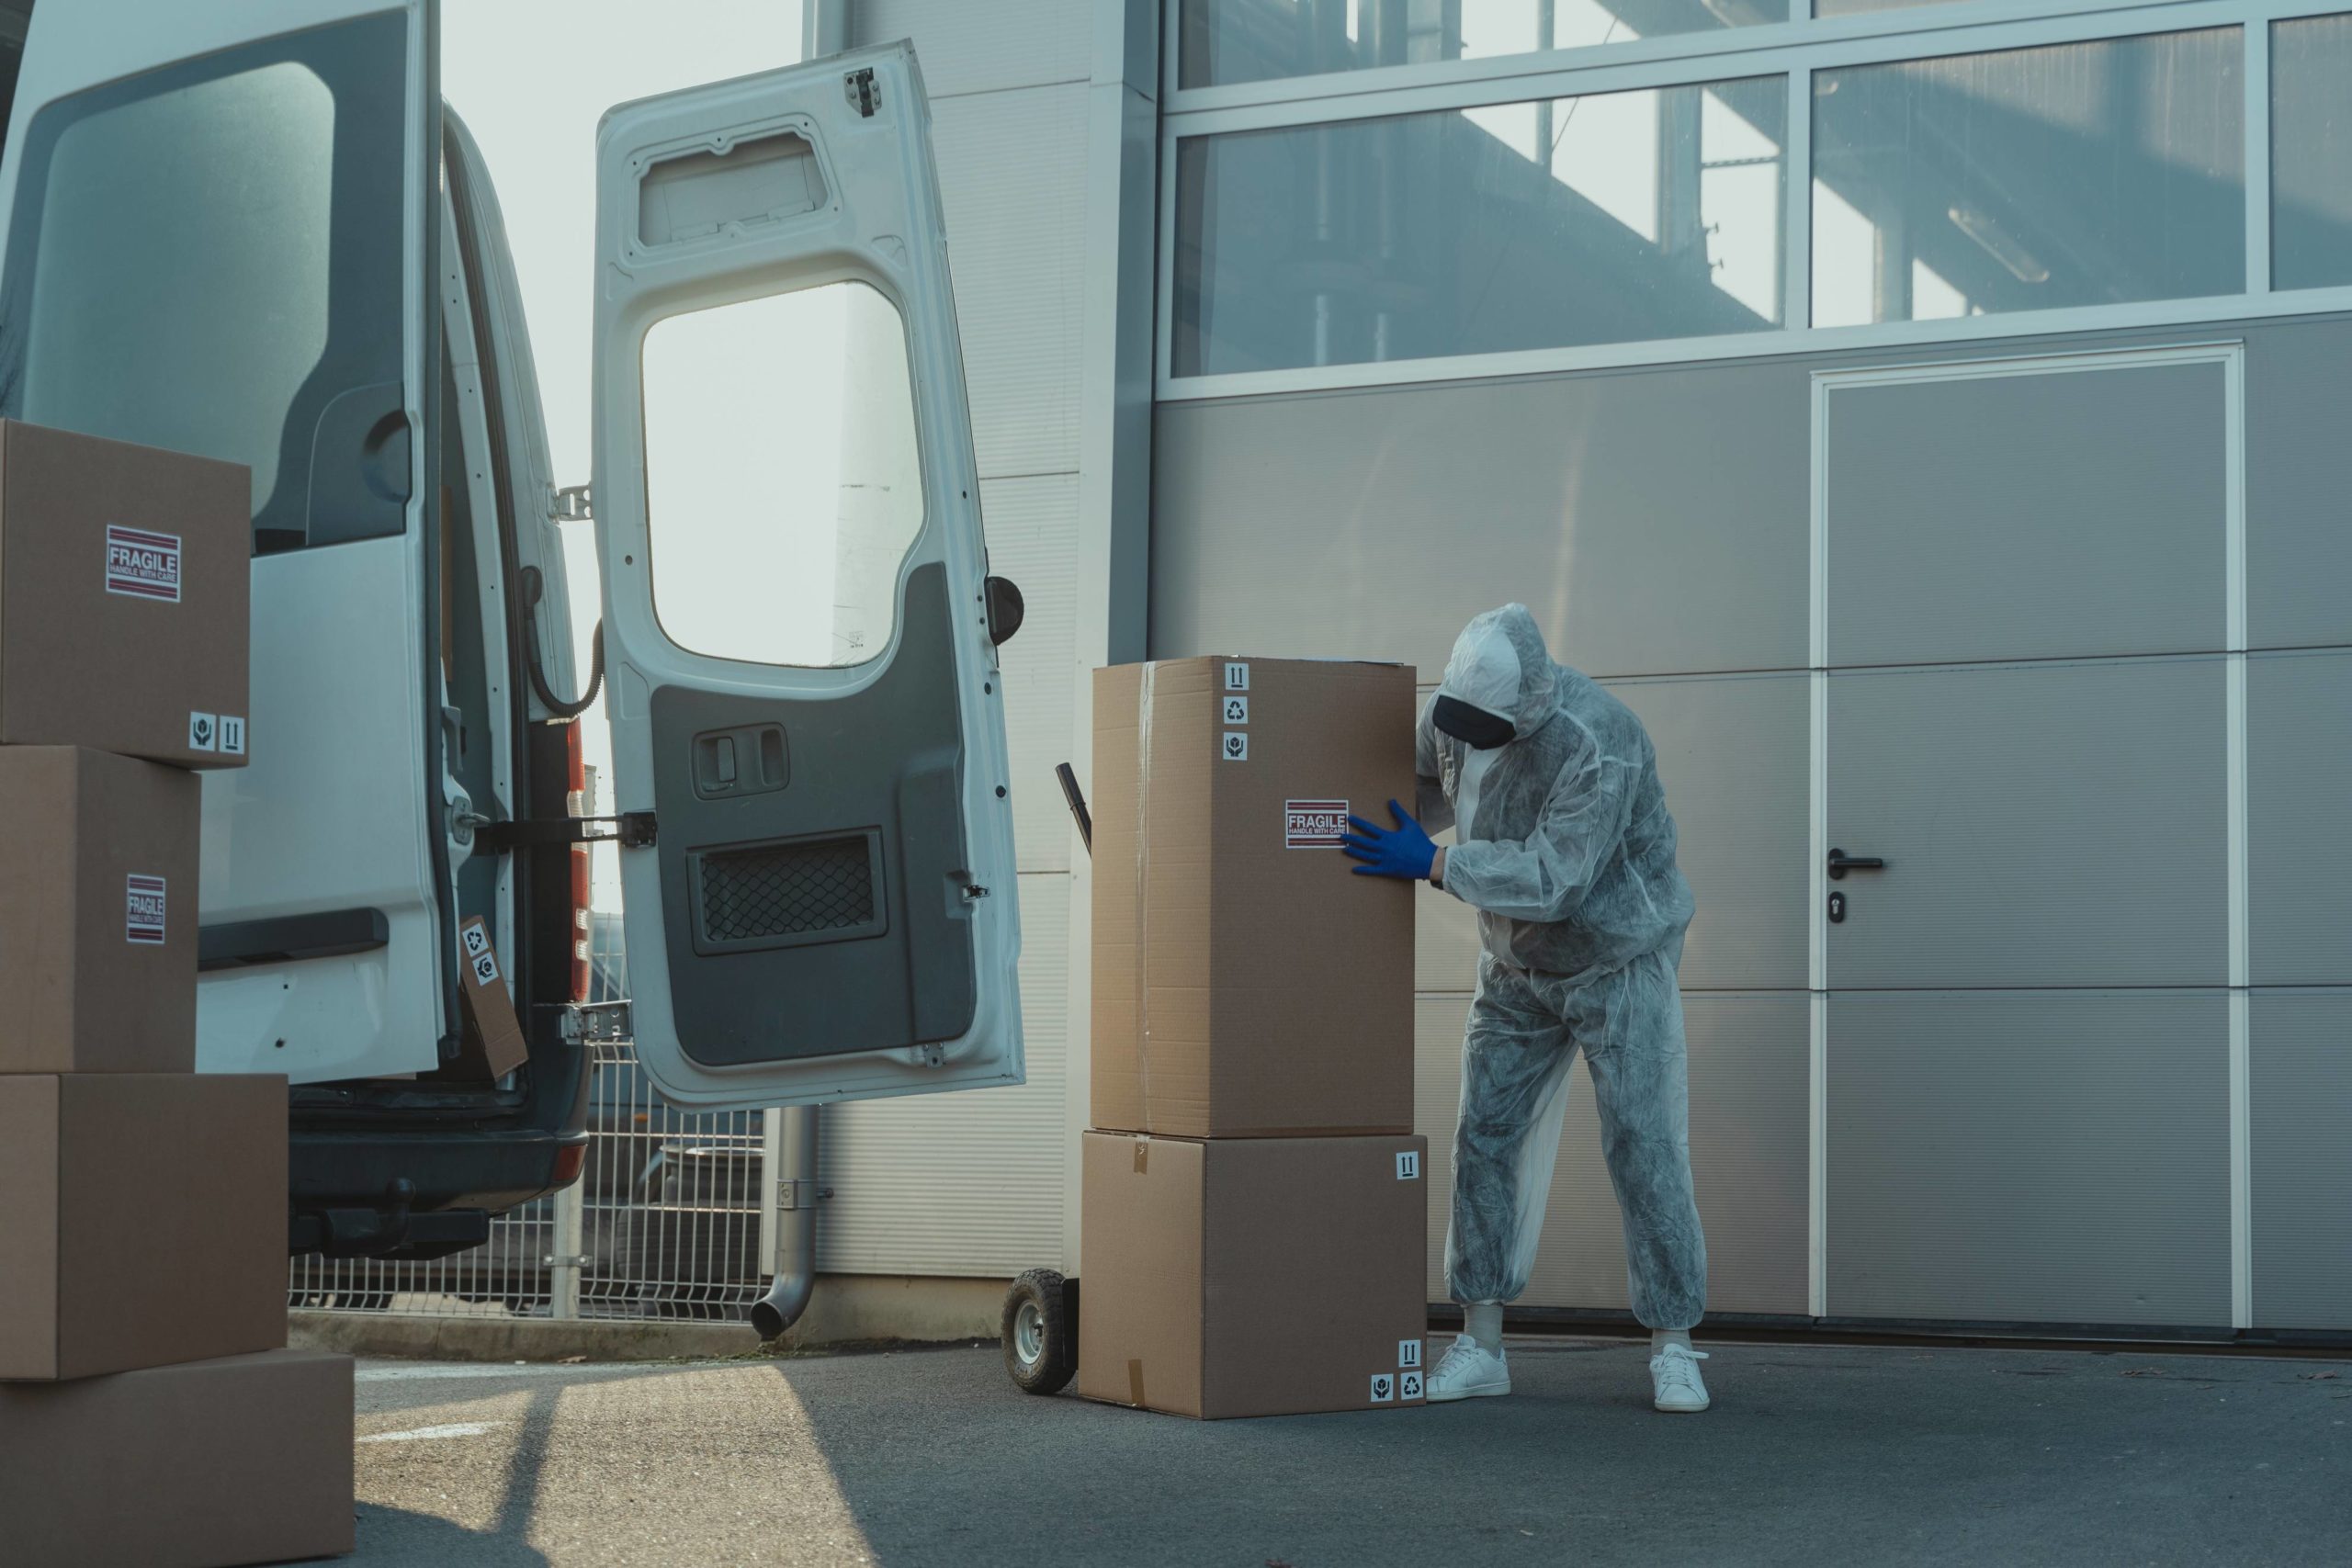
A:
(125, 597)
(142, 1220)
(1254, 1276)
(1245, 985)
(98, 912)
(241, 1460)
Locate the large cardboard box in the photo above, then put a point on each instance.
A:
(98, 912)
(142, 1220)
(1245, 985)
(241, 1460)
(125, 594)
(1254, 1276)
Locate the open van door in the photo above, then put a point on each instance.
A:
(218, 240)
(807, 721)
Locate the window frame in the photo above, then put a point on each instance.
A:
(1792, 51)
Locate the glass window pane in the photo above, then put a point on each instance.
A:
(783, 479)
(2084, 173)
(1606, 219)
(1221, 42)
(208, 257)
(2311, 153)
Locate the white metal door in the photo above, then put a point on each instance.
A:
(807, 718)
(216, 241)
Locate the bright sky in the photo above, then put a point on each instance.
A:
(530, 78)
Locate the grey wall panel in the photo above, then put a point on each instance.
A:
(2027, 516)
(967, 1184)
(2302, 1146)
(1735, 756)
(967, 48)
(2298, 484)
(2044, 825)
(1748, 1096)
(1033, 539)
(1733, 753)
(1012, 181)
(2054, 1156)
(2299, 819)
(1654, 521)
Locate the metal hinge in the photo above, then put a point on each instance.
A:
(630, 830)
(570, 503)
(863, 92)
(793, 1193)
(594, 1024)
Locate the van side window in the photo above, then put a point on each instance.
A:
(782, 477)
(208, 257)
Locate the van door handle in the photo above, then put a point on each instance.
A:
(1840, 862)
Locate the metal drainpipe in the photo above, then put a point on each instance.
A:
(824, 27)
(796, 1235)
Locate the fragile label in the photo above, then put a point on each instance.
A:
(1314, 824)
(1408, 1353)
(232, 735)
(1235, 748)
(1237, 710)
(485, 969)
(1408, 1386)
(1409, 1165)
(479, 955)
(1384, 1387)
(203, 732)
(1237, 677)
(142, 910)
(144, 565)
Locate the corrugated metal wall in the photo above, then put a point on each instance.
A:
(973, 1184)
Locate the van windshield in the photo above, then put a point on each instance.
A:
(208, 257)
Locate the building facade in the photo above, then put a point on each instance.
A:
(1927, 418)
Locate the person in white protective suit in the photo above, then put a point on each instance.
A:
(1565, 848)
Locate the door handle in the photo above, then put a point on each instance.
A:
(1840, 862)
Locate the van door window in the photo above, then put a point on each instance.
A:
(208, 257)
(784, 481)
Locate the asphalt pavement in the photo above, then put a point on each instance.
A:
(1815, 1454)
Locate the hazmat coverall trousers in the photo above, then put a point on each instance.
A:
(1565, 847)
(1525, 1031)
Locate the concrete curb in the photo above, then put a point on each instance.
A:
(847, 1310)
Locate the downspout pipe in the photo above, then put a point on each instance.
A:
(796, 1224)
(824, 27)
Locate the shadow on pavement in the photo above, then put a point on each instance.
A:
(422, 1538)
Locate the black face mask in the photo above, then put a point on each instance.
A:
(1474, 727)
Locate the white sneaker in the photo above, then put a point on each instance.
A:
(1677, 1387)
(1468, 1371)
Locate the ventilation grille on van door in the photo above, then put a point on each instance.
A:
(810, 889)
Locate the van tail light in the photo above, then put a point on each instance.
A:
(569, 1160)
(577, 803)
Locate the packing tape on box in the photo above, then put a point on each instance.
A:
(1134, 1382)
(1143, 888)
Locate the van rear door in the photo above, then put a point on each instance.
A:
(217, 239)
(807, 720)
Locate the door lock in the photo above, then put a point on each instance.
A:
(1837, 908)
(1840, 862)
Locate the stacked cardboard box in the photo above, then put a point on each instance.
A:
(149, 1410)
(1255, 1218)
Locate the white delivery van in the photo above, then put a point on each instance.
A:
(254, 231)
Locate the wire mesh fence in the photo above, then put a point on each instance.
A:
(669, 1219)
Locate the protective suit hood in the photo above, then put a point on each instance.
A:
(1500, 664)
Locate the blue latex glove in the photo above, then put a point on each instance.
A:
(1405, 852)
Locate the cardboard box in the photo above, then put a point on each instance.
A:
(142, 1220)
(1245, 985)
(1254, 1276)
(491, 1044)
(98, 912)
(242, 1459)
(125, 594)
